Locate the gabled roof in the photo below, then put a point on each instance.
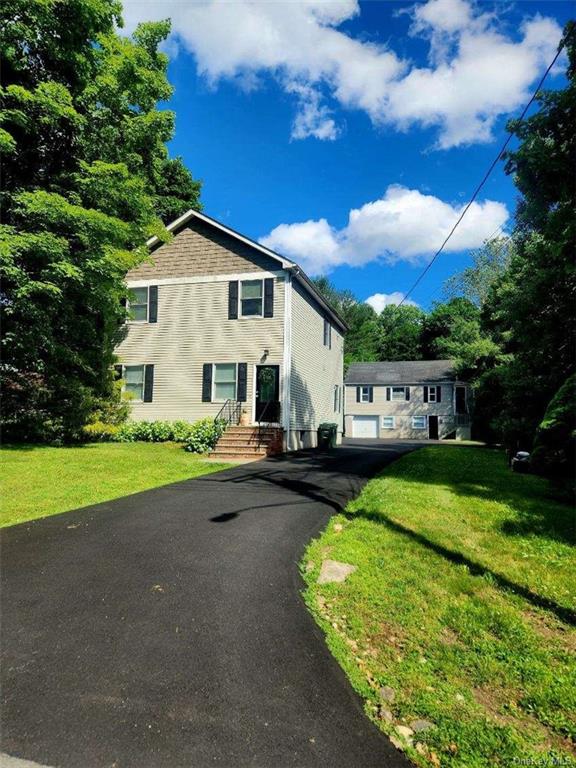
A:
(283, 263)
(401, 372)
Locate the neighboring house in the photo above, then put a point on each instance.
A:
(414, 399)
(221, 324)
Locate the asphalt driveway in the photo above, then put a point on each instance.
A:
(166, 629)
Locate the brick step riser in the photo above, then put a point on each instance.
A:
(241, 431)
(238, 456)
(251, 452)
(243, 441)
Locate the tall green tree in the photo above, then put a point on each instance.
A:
(401, 333)
(488, 264)
(452, 331)
(84, 153)
(530, 309)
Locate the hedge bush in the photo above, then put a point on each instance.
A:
(204, 435)
(146, 431)
(199, 437)
(100, 432)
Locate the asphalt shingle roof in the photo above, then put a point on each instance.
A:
(401, 372)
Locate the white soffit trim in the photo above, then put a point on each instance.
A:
(203, 279)
(191, 214)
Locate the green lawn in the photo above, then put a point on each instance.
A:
(38, 481)
(462, 603)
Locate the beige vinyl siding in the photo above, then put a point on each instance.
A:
(192, 329)
(402, 410)
(315, 370)
(199, 249)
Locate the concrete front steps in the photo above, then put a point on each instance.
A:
(247, 443)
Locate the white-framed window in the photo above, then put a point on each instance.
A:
(338, 398)
(398, 393)
(133, 376)
(251, 298)
(419, 422)
(138, 305)
(365, 394)
(431, 394)
(327, 334)
(388, 422)
(224, 382)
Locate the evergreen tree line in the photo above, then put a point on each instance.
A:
(509, 320)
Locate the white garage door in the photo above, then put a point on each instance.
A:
(365, 426)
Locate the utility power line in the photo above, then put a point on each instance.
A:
(485, 177)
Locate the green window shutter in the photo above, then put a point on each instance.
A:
(371, 394)
(148, 383)
(358, 393)
(117, 372)
(425, 394)
(438, 394)
(207, 383)
(407, 393)
(233, 300)
(269, 297)
(242, 382)
(153, 304)
(388, 393)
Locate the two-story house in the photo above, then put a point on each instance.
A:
(411, 399)
(219, 324)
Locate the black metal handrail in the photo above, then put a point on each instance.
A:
(230, 412)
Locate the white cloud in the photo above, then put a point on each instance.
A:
(380, 300)
(475, 72)
(403, 225)
(312, 118)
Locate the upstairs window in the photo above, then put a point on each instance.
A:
(398, 393)
(224, 382)
(138, 305)
(433, 394)
(251, 298)
(365, 394)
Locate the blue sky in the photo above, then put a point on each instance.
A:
(295, 114)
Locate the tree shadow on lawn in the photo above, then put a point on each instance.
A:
(535, 511)
(476, 569)
(542, 515)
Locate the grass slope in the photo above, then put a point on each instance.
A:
(38, 480)
(461, 604)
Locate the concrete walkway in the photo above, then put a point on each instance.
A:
(166, 629)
